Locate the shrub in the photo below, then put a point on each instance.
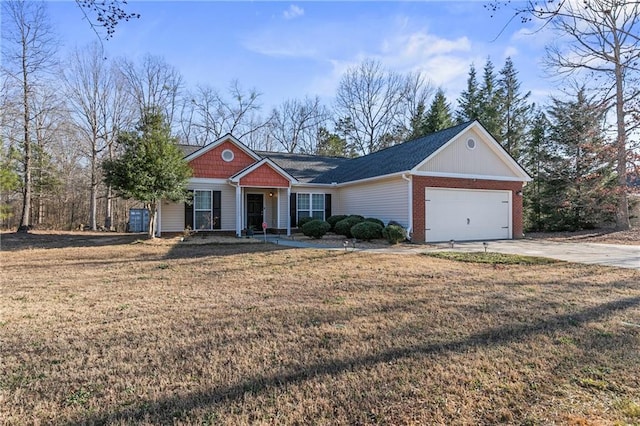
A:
(335, 219)
(374, 220)
(394, 233)
(344, 226)
(315, 228)
(304, 220)
(367, 230)
(356, 216)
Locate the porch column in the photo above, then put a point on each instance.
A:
(278, 209)
(288, 210)
(238, 211)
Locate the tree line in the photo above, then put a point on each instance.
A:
(62, 118)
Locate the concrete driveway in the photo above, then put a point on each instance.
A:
(622, 256)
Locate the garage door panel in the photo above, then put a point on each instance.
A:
(461, 214)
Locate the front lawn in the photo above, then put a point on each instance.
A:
(161, 333)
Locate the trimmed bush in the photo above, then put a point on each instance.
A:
(393, 222)
(356, 216)
(367, 231)
(344, 226)
(374, 220)
(304, 220)
(315, 228)
(335, 219)
(394, 233)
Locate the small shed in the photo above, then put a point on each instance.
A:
(138, 220)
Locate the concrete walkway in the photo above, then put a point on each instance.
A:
(623, 256)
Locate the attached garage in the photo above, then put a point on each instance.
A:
(467, 214)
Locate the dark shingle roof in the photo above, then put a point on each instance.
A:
(395, 159)
(189, 149)
(317, 169)
(303, 167)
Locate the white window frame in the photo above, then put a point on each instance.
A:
(196, 210)
(310, 210)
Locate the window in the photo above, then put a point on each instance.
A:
(202, 210)
(311, 205)
(227, 155)
(206, 210)
(471, 143)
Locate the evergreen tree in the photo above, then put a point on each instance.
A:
(579, 192)
(536, 159)
(418, 122)
(469, 102)
(439, 115)
(330, 144)
(489, 102)
(151, 167)
(515, 111)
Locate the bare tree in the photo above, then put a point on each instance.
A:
(207, 114)
(108, 13)
(374, 105)
(600, 41)
(295, 124)
(154, 85)
(28, 53)
(96, 105)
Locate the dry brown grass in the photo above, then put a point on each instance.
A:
(251, 334)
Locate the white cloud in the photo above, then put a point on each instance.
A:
(293, 12)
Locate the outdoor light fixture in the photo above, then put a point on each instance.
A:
(519, 193)
(271, 194)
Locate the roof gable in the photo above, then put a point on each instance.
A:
(263, 173)
(209, 161)
(487, 158)
(395, 159)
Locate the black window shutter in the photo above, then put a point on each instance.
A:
(293, 208)
(188, 211)
(327, 206)
(217, 209)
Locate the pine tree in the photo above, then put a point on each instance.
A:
(489, 101)
(580, 189)
(439, 115)
(418, 122)
(330, 144)
(515, 111)
(469, 102)
(536, 159)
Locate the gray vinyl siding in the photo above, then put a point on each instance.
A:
(172, 217)
(385, 199)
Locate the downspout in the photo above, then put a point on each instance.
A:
(410, 197)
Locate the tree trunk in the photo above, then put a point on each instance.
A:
(26, 191)
(622, 211)
(93, 201)
(153, 211)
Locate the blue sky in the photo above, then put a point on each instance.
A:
(291, 49)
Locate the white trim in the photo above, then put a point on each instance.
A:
(374, 178)
(289, 211)
(278, 209)
(207, 181)
(217, 142)
(463, 176)
(311, 209)
(493, 144)
(238, 211)
(315, 185)
(236, 178)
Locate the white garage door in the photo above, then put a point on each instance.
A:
(467, 214)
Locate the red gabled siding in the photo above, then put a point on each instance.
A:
(420, 183)
(211, 165)
(265, 176)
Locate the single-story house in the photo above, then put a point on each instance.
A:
(458, 183)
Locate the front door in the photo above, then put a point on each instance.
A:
(255, 211)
